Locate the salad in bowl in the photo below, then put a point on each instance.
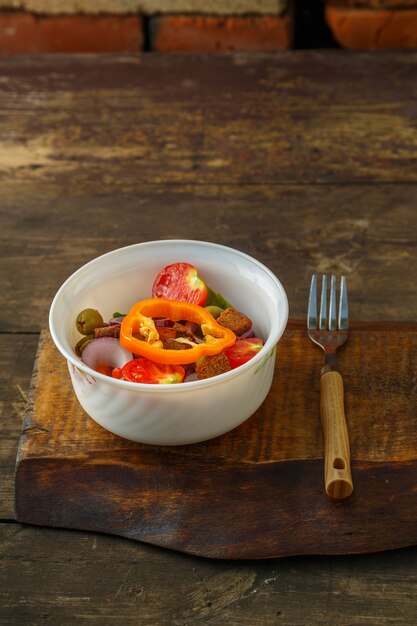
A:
(170, 342)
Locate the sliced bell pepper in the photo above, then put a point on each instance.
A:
(139, 322)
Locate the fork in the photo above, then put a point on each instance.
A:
(330, 334)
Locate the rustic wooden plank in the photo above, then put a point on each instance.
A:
(79, 171)
(17, 354)
(367, 232)
(285, 427)
(69, 577)
(231, 497)
(299, 117)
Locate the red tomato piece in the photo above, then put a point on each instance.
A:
(103, 368)
(141, 370)
(180, 281)
(243, 350)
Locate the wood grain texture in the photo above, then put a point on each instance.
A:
(278, 118)
(306, 161)
(101, 152)
(368, 232)
(66, 577)
(17, 353)
(337, 473)
(253, 493)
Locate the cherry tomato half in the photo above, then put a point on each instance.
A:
(243, 350)
(103, 368)
(143, 370)
(180, 281)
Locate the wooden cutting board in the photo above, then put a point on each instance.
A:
(255, 492)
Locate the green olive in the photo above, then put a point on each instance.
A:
(88, 320)
(214, 310)
(83, 342)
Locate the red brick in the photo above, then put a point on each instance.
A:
(215, 34)
(362, 29)
(374, 4)
(25, 33)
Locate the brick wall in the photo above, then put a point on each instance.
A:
(47, 26)
(373, 24)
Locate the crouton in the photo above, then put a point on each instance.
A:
(172, 344)
(212, 366)
(112, 330)
(183, 331)
(234, 321)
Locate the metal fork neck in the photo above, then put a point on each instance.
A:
(329, 367)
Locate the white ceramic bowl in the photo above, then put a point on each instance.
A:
(187, 412)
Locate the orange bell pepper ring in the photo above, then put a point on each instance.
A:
(139, 322)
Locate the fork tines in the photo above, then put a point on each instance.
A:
(321, 322)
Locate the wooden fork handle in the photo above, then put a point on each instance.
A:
(337, 474)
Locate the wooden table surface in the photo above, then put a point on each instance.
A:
(305, 160)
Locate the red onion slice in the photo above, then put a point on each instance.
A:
(191, 377)
(116, 320)
(105, 351)
(163, 322)
(188, 368)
